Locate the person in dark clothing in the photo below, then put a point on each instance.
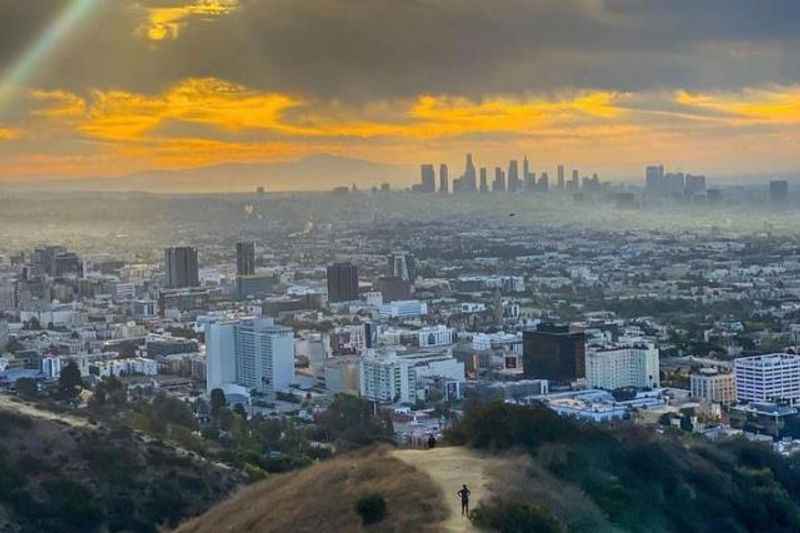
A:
(464, 495)
(431, 442)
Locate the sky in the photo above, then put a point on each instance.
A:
(92, 88)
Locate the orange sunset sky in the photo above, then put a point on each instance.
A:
(92, 88)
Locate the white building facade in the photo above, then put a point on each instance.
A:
(768, 378)
(390, 377)
(623, 366)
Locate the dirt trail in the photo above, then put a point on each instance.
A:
(450, 468)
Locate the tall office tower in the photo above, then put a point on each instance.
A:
(553, 352)
(778, 191)
(252, 353)
(654, 178)
(560, 184)
(444, 179)
(674, 184)
(544, 182)
(402, 265)
(573, 184)
(484, 180)
(513, 176)
(181, 267)
(342, 282)
(499, 184)
(428, 179)
(634, 365)
(695, 185)
(470, 180)
(245, 258)
(526, 169)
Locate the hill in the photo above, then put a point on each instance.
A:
(58, 477)
(323, 498)
(313, 173)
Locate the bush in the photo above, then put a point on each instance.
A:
(508, 517)
(371, 509)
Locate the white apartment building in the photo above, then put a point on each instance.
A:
(768, 378)
(253, 353)
(713, 386)
(635, 365)
(387, 376)
(51, 367)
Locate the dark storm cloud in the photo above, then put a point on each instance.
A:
(376, 49)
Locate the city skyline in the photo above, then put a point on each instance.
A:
(93, 89)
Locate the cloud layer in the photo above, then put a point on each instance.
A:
(180, 83)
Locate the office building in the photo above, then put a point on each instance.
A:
(444, 177)
(654, 176)
(393, 288)
(778, 191)
(635, 365)
(252, 353)
(428, 175)
(768, 378)
(712, 386)
(544, 183)
(484, 181)
(181, 267)
(555, 353)
(387, 376)
(574, 184)
(245, 258)
(514, 184)
(695, 185)
(402, 265)
(499, 184)
(342, 282)
(560, 183)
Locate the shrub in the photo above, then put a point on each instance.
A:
(507, 517)
(371, 509)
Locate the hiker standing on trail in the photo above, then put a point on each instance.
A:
(464, 495)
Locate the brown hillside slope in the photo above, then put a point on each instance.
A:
(322, 498)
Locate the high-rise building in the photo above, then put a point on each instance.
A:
(253, 353)
(778, 191)
(573, 185)
(695, 185)
(555, 353)
(654, 177)
(544, 182)
(526, 170)
(402, 265)
(513, 176)
(484, 180)
(768, 378)
(245, 258)
(674, 183)
(428, 179)
(181, 267)
(342, 282)
(470, 182)
(499, 184)
(444, 179)
(635, 365)
(560, 183)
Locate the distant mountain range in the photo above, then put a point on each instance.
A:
(312, 173)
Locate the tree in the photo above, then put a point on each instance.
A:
(27, 387)
(70, 382)
(218, 401)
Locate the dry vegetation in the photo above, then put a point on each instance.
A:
(323, 497)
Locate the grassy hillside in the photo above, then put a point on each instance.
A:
(323, 498)
(62, 479)
(584, 478)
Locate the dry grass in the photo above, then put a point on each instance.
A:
(322, 498)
